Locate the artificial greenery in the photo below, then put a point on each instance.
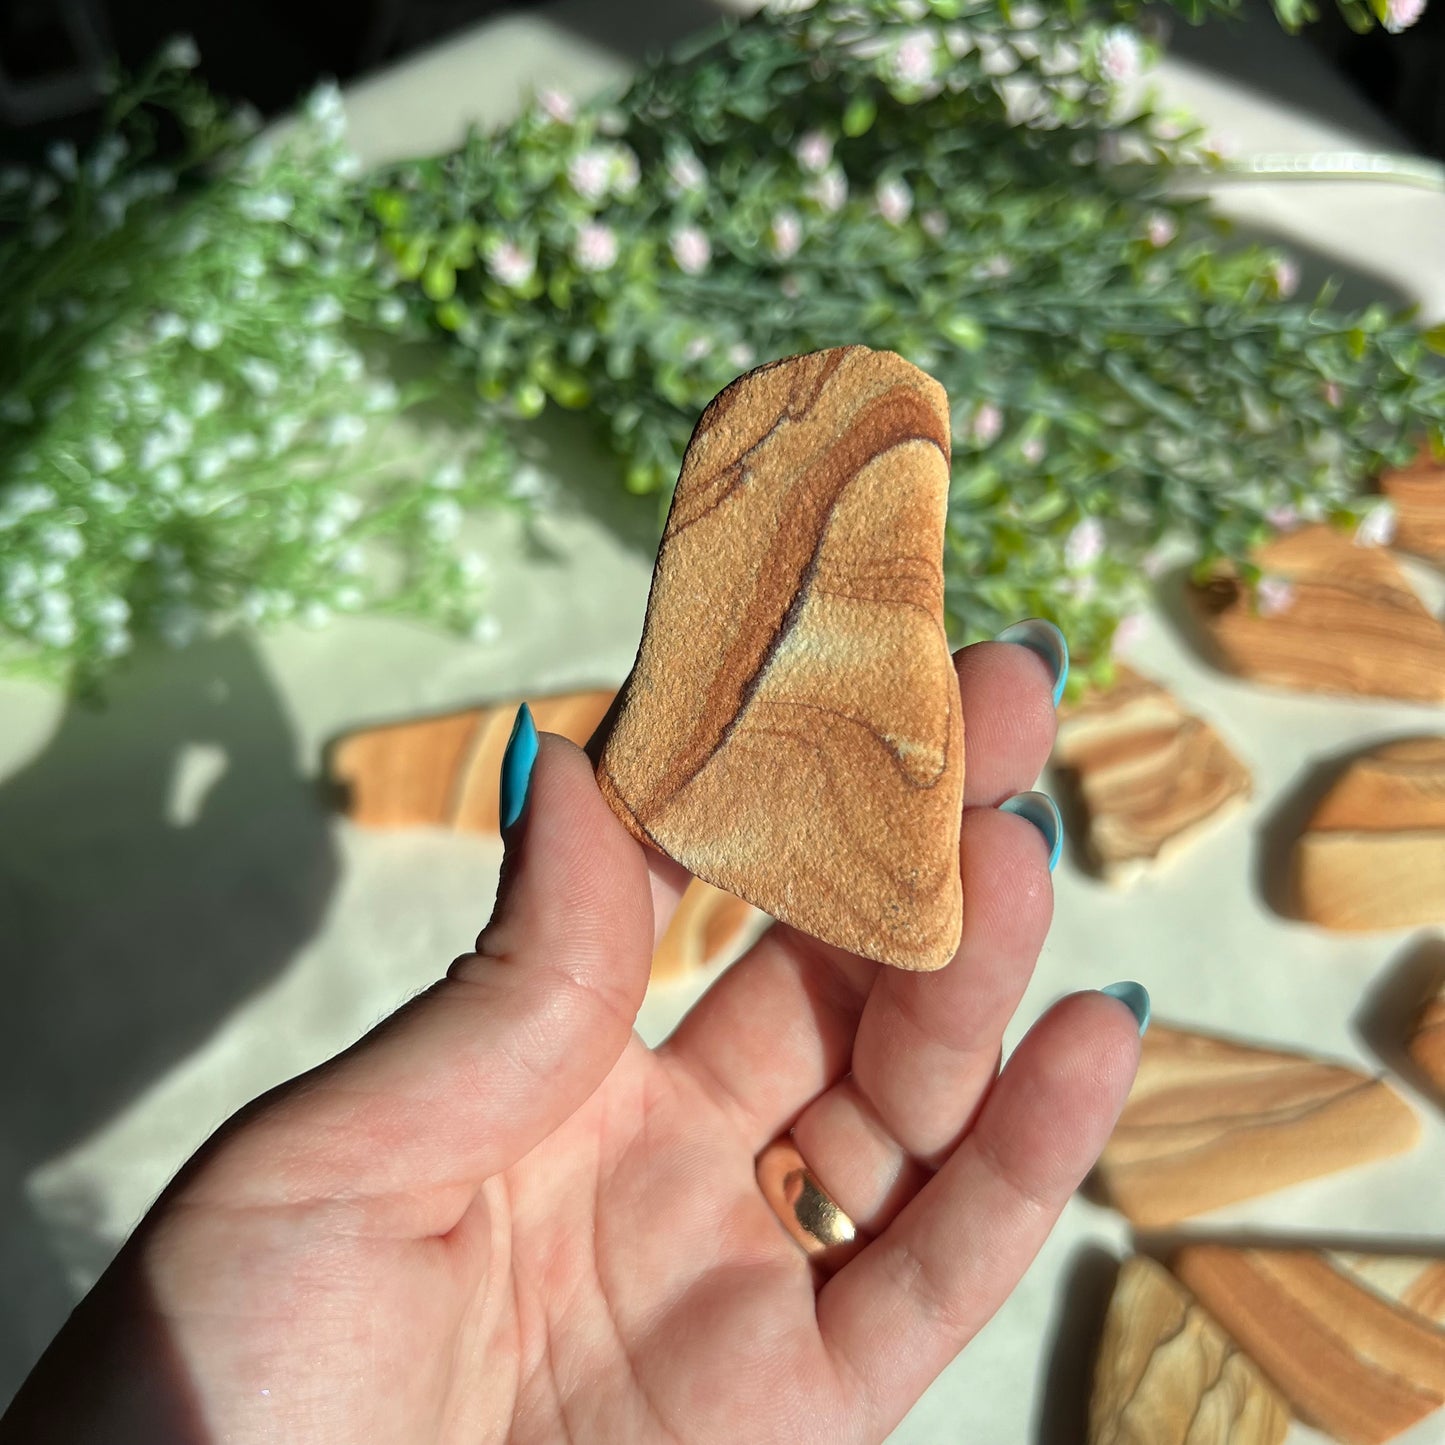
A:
(980, 186)
(199, 425)
(190, 434)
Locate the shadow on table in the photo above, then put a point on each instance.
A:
(1064, 1403)
(161, 860)
(1390, 1007)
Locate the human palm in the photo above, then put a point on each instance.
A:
(502, 1217)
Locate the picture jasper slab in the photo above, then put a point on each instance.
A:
(1350, 622)
(1166, 1374)
(1373, 853)
(1150, 776)
(791, 730)
(1353, 1343)
(1209, 1122)
(1418, 492)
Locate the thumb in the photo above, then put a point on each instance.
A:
(465, 1079)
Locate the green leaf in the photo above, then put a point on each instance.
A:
(858, 118)
(1434, 338)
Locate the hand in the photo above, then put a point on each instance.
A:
(501, 1216)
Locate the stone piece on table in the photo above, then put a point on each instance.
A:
(1418, 494)
(1354, 1344)
(443, 772)
(791, 729)
(1166, 1374)
(1150, 776)
(1210, 1122)
(1373, 853)
(1331, 616)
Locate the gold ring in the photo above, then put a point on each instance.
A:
(813, 1220)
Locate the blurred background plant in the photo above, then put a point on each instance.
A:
(193, 432)
(198, 433)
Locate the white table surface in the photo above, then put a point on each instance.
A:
(184, 924)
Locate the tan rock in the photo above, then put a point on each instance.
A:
(1209, 1122)
(1348, 622)
(1418, 492)
(1150, 776)
(1341, 1344)
(443, 772)
(1168, 1375)
(1373, 854)
(1426, 1044)
(708, 926)
(791, 730)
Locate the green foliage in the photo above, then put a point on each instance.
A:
(977, 186)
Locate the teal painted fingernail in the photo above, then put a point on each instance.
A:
(1135, 997)
(1043, 813)
(1046, 641)
(517, 766)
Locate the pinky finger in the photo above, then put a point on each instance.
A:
(897, 1314)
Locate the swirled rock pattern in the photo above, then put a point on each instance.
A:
(791, 729)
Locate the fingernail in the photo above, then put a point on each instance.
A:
(1135, 997)
(517, 766)
(1043, 813)
(1045, 640)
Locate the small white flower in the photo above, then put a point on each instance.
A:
(1284, 518)
(985, 424)
(105, 455)
(351, 561)
(241, 447)
(1402, 14)
(510, 264)
(52, 574)
(1032, 450)
(55, 631)
(785, 235)
(110, 610)
(293, 252)
(349, 599)
(104, 159)
(596, 247)
(327, 111)
(1377, 526)
(625, 173)
(790, 7)
(345, 430)
(472, 567)
(381, 395)
(443, 517)
(323, 311)
(686, 171)
(1284, 273)
(814, 152)
(45, 190)
(63, 159)
(590, 173)
(1160, 229)
(894, 200)
(695, 348)
(167, 326)
(1121, 59)
(830, 190)
(260, 376)
(138, 549)
(27, 499)
(254, 605)
(282, 431)
(486, 629)
(205, 335)
(168, 479)
(206, 396)
(210, 464)
(791, 285)
(315, 614)
(319, 353)
(1128, 631)
(21, 578)
(391, 311)
(108, 495)
(997, 267)
(691, 249)
(915, 60)
(1333, 393)
(1273, 595)
(180, 53)
(269, 206)
(448, 477)
(741, 355)
(350, 364)
(1085, 544)
(114, 642)
(557, 106)
(934, 223)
